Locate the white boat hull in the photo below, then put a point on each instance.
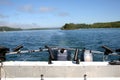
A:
(107, 78)
(59, 69)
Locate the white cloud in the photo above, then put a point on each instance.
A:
(31, 25)
(6, 2)
(63, 14)
(3, 16)
(31, 9)
(3, 23)
(27, 8)
(46, 9)
(19, 25)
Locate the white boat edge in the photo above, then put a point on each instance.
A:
(54, 63)
(106, 78)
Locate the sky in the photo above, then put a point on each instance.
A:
(56, 13)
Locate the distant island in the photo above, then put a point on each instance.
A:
(6, 28)
(72, 26)
(69, 26)
(42, 28)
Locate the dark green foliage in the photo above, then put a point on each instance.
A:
(72, 26)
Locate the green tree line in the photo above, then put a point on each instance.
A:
(72, 26)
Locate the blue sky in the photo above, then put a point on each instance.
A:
(55, 13)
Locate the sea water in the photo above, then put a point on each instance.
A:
(91, 39)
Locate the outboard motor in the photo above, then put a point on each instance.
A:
(62, 55)
(3, 51)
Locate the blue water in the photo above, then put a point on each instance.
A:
(91, 39)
